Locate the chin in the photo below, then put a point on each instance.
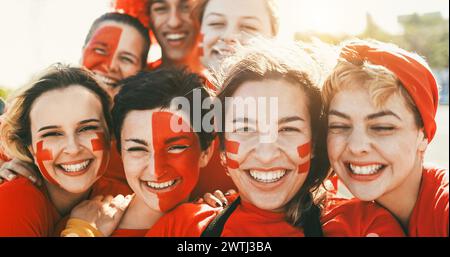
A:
(265, 203)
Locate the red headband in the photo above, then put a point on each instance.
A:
(416, 78)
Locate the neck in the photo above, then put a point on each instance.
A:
(139, 215)
(402, 199)
(191, 61)
(63, 200)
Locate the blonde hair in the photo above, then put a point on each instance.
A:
(377, 79)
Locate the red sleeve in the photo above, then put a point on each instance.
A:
(24, 210)
(430, 214)
(355, 218)
(212, 177)
(187, 220)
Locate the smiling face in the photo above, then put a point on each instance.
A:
(161, 166)
(373, 150)
(224, 25)
(68, 144)
(268, 175)
(174, 28)
(113, 53)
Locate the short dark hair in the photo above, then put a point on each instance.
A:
(152, 89)
(127, 20)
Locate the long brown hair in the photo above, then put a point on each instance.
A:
(268, 59)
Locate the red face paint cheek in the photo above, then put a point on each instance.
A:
(41, 156)
(304, 151)
(100, 144)
(170, 166)
(233, 148)
(107, 40)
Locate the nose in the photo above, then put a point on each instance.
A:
(174, 20)
(114, 65)
(156, 167)
(73, 146)
(359, 142)
(231, 36)
(266, 153)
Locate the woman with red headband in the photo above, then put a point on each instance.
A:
(381, 103)
(277, 163)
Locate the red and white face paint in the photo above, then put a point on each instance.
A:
(69, 144)
(113, 53)
(101, 49)
(162, 166)
(268, 173)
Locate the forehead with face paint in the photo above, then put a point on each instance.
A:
(161, 164)
(69, 145)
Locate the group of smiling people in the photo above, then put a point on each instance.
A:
(102, 150)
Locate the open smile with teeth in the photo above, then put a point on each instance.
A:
(175, 36)
(267, 176)
(106, 80)
(163, 185)
(72, 168)
(365, 170)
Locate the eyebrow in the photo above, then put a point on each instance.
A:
(89, 120)
(48, 127)
(137, 141)
(174, 139)
(214, 13)
(339, 114)
(290, 119)
(81, 122)
(381, 114)
(369, 117)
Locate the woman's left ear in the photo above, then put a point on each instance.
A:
(206, 155)
(422, 140)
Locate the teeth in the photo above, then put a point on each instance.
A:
(163, 185)
(267, 177)
(75, 167)
(365, 170)
(105, 80)
(175, 36)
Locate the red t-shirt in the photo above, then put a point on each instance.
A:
(115, 168)
(430, 214)
(213, 176)
(26, 210)
(346, 218)
(129, 232)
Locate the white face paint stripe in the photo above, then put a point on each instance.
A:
(152, 153)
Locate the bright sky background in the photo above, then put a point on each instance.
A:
(37, 33)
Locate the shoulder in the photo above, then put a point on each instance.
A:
(20, 192)
(188, 219)
(24, 209)
(435, 189)
(354, 217)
